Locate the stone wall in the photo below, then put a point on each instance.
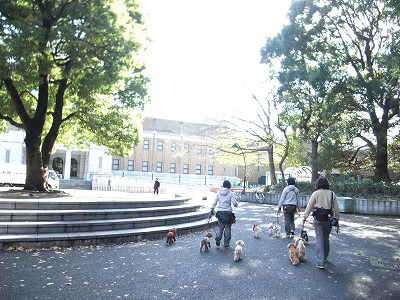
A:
(346, 204)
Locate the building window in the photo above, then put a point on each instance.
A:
(100, 162)
(199, 150)
(210, 151)
(8, 151)
(198, 169)
(145, 166)
(146, 144)
(173, 146)
(160, 145)
(159, 167)
(210, 170)
(172, 168)
(115, 164)
(186, 147)
(74, 168)
(185, 169)
(58, 165)
(130, 165)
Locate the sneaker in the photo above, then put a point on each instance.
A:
(217, 241)
(229, 248)
(288, 236)
(292, 234)
(319, 266)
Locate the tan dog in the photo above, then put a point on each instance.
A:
(256, 231)
(301, 249)
(293, 254)
(238, 255)
(171, 236)
(205, 242)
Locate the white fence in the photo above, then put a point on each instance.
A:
(142, 182)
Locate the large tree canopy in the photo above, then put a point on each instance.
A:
(360, 40)
(71, 67)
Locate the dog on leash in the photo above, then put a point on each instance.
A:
(293, 254)
(276, 229)
(205, 242)
(238, 255)
(171, 236)
(301, 249)
(270, 229)
(256, 231)
(304, 235)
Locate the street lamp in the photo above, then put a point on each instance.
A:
(237, 146)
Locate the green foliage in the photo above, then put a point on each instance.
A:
(346, 186)
(90, 52)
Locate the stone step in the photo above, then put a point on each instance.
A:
(99, 225)
(72, 204)
(93, 217)
(71, 239)
(44, 215)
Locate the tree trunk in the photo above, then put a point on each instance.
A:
(314, 160)
(271, 164)
(36, 175)
(381, 164)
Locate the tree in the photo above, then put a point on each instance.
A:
(367, 40)
(311, 90)
(70, 67)
(362, 39)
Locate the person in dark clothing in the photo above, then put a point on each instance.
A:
(290, 202)
(156, 186)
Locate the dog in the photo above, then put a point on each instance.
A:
(270, 229)
(293, 254)
(256, 231)
(304, 235)
(238, 255)
(276, 230)
(171, 236)
(301, 249)
(205, 242)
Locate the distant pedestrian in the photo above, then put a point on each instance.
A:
(289, 200)
(156, 186)
(225, 199)
(326, 199)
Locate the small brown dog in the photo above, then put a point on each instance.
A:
(301, 249)
(293, 254)
(171, 236)
(256, 231)
(205, 242)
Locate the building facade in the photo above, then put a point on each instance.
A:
(173, 149)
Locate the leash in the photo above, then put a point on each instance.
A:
(277, 217)
(210, 215)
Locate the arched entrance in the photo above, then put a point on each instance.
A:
(58, 165)
(74, 168)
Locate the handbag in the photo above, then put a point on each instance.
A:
(322, 214)
(289, 209)
(226, 217)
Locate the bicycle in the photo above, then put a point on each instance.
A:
(238, 195)
(260, 197)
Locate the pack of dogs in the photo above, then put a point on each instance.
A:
(296, 249)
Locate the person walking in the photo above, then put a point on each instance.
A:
(156, 186)
(325, 199)
(289, 200)
(225, 199)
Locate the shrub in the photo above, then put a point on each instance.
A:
(366, 188)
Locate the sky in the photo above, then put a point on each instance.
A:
(204, 57)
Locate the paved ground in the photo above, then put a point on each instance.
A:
(364, 264)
